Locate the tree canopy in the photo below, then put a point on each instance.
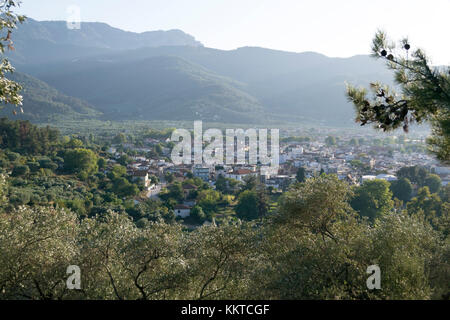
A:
(373, 199)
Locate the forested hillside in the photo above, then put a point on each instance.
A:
(42, 103)
(163, 87)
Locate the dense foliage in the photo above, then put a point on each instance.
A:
(316, 247)
(23, 137)
(65, 201)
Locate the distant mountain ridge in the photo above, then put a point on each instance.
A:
(33, 39)
(152, 76)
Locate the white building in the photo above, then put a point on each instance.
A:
(239, 174)
(142, 176)
(387, 177)
(202, 172)
(442, 170)
(367, 178)
(182, 210)
(297, 152)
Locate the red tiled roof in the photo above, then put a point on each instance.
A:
(140, 173)
(181, 206)
(242, 171)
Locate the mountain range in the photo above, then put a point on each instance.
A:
(168, 75)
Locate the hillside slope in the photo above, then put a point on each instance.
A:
(162, 87)
(42, 103)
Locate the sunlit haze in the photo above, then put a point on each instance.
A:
(334, 28)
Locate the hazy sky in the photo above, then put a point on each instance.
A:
(336, 28)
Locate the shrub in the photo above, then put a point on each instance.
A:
(20, 170)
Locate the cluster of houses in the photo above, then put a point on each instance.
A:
(374, 162)
(314, 156)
